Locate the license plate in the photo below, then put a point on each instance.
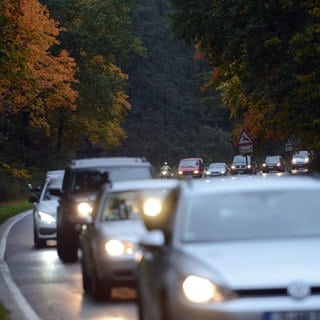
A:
(297, 315)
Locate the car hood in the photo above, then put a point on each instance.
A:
(49, 206)
(132, 230)
(260, 264)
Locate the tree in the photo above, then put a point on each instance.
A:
(170, 117)
(264, 57)
(33, 82)
(97, 34)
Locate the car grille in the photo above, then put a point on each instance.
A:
(270, 292)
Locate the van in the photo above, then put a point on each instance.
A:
(192, 167)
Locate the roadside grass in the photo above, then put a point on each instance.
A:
(7, 210)
(3, 313)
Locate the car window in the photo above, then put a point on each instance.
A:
(91, 179)
(129, 204)
(239, 158)
(253, 215)
(188, 163)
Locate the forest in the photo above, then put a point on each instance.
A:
(160, 79)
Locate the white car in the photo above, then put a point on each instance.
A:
(238, 249)
(109, 244)
(45, 211)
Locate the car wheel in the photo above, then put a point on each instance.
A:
(99, 289)
(140, 306)
(38, 242)
(67, 245)
(85, 277)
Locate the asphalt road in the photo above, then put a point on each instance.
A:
(35, 284)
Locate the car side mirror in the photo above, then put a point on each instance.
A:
(153, 240)
(33, 199)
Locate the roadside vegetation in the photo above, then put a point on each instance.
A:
(9, 209)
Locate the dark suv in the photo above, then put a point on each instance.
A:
(82, 180)
(244, 164)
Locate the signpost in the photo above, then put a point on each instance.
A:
(245, 143)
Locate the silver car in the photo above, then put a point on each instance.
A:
(243, 248)
(45, 211)
(109, 245)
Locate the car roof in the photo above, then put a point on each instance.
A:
(251, 184)
(110, 161)
(191, 159)
(141, 184)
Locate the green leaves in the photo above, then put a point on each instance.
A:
(271, 48)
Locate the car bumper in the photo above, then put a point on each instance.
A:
(46, 231)
(268, 308)
(119, 272)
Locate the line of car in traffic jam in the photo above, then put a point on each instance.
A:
(243, 247)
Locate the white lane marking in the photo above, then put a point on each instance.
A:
(23, 304)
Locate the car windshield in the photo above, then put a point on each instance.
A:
(239, 159)
(91, 179)
(128, 204)
(218, 166)
(53, 184)
(301, 154)
(256, 215)
(272, 159)
(188, 163)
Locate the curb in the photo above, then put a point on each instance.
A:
(10, 296)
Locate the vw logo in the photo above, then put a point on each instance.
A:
(298, 289)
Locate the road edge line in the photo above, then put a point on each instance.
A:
(17, 295)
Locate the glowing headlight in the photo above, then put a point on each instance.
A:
(116, 248)
(233, 167)
(278, 164)
(152, 207)
(47, 218)
(84, 210)
(180, 172)
(249, 166)
(196, 171)
(306, 160)
(263, 164)
(200, 290)
(294, 160)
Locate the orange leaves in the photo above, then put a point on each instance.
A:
(36, 78)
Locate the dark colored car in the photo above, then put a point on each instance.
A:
(242, 248)
(217, 169)
(244, 164)
(191, 167)
(273, 163)
(82, 180)
(109, 245)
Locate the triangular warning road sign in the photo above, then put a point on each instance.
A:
(244, 138)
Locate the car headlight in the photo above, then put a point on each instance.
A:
(47, 218)
(180, 172)
(294, 161)
(196, 171)
(117, 248)
(152, 207)
(306, 160)
(278, 164)
(201, 290)
(84, 209)
(263, 164)
(233, 167)
(249, 166)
